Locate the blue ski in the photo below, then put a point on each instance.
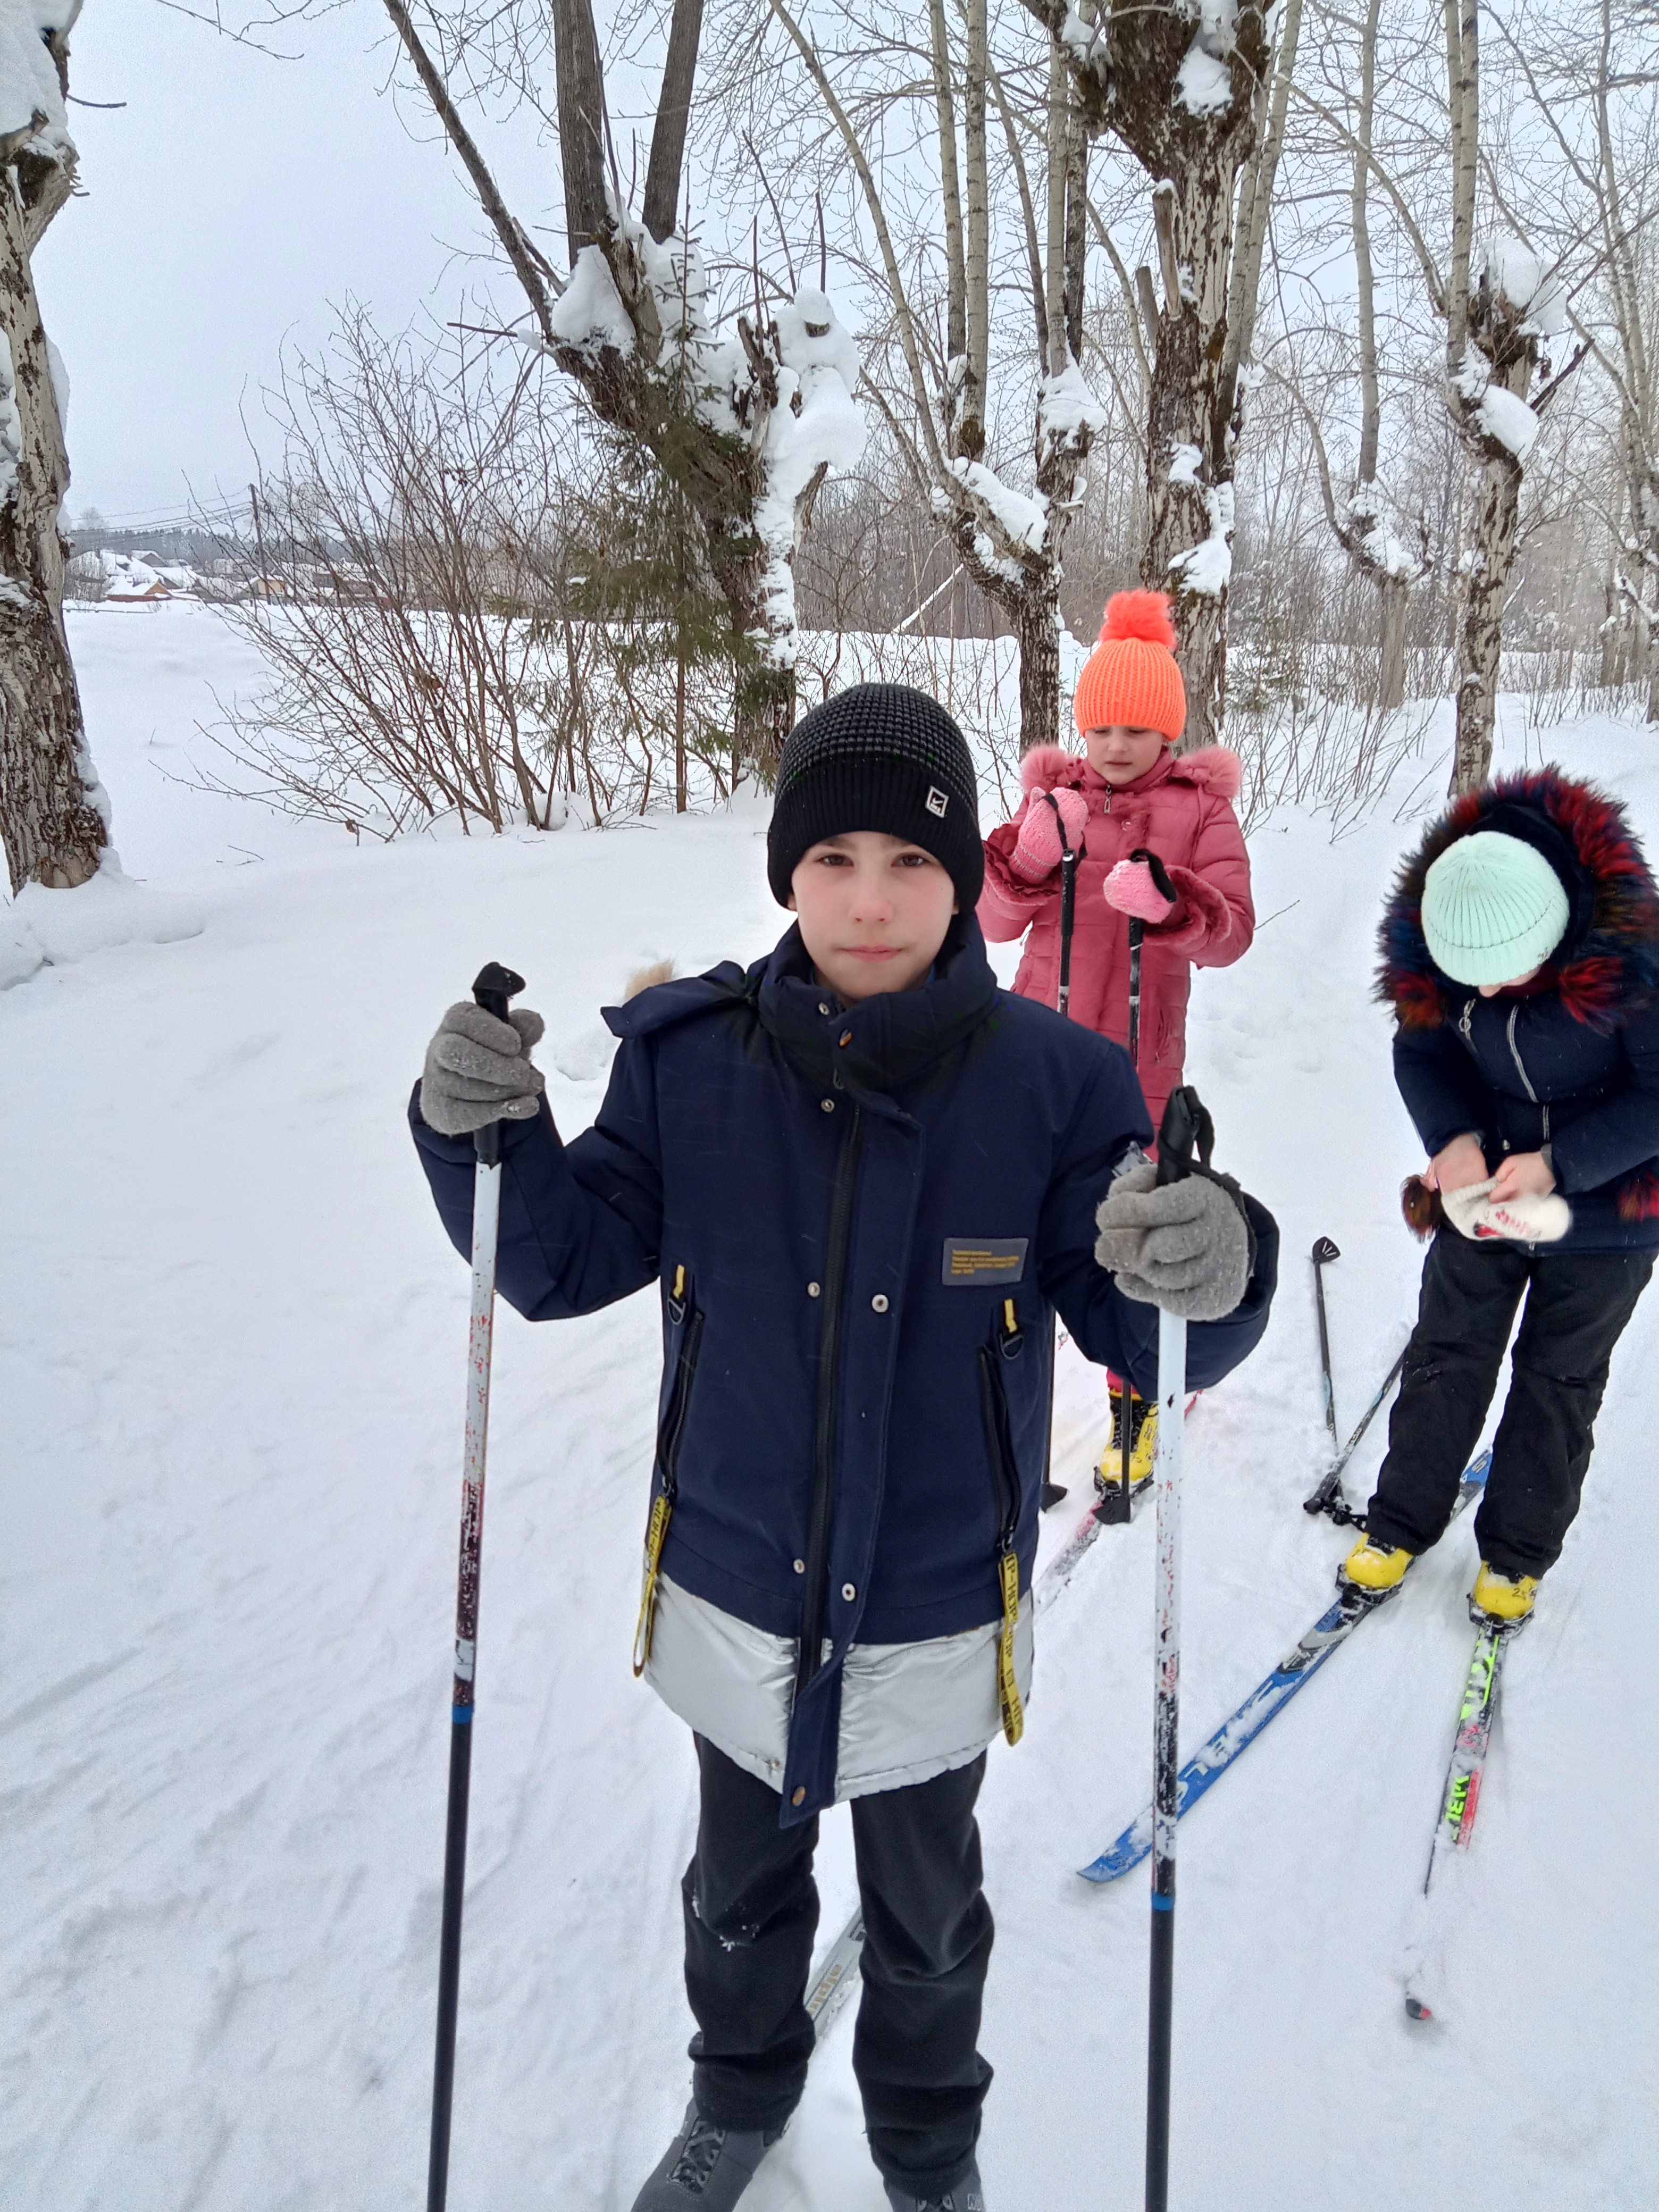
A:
(1207, 1766)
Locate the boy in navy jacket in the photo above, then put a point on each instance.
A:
(862, 1178)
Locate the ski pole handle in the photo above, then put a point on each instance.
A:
(492, 987)
(1186, 1125)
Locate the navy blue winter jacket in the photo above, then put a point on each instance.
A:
(1570, 1067)
(875, 1209)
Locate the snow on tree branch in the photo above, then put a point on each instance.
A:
(29, 83)
(815, 426)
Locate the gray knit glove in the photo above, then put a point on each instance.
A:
(477, 1070)
(1183, 1246)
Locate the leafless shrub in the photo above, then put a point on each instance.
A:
(410, 579)
(387, 583)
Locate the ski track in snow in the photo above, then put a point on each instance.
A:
(230, 1424)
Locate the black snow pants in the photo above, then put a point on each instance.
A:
(751, 1909)
(1578, 1304)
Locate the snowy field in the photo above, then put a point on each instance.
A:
(230, 1413)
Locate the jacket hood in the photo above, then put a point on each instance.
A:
(1213, 768)
(1607, 965)
(874, 1045)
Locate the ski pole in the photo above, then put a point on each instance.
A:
(1160, 876)
(1324, 1251)
(495, 986)
(1186, 1122)
(1052, 1492)
(1068, 860)
(1326, 1495)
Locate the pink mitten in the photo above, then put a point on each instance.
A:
(1131, 889)
(1038, 852)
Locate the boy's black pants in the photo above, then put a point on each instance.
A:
(1578, 1304)
(751, 1909)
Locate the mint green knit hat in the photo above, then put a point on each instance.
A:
(1493, 909)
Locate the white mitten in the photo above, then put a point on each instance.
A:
(1527, 1220)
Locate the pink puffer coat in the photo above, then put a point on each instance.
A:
(1181, 810)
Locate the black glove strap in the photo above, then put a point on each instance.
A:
(1166, 889)
(1082, 853)
(1186, 1126)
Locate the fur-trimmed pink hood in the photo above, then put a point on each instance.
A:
(1214, 768)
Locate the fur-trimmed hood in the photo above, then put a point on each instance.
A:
(1606, 966)
(1212, 767)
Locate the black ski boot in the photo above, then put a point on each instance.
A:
(968, 2196)
(705, 2168)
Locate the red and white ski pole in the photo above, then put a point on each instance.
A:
(494, 987)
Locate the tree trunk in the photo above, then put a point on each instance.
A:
(52, 813)
(1480, 633)
(956, 264)
(1392, 596)
(580, 90)
(1189, 498)
(1133, 88)
(765, 716)
(662, 176)
(979, 238)
(1609, 633)
(1036, 624)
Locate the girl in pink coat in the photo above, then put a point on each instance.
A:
(1128, 792)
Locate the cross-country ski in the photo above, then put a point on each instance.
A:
(1454, 1830)
(1199, 1773)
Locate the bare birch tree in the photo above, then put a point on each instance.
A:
(1189, 91)
(746, 428)
(1595, 89)
(1360, 517)
(1495, 339)
(1007, 540)
(1501, 310)
(54, 817)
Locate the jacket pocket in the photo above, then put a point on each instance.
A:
(686, 1321)
(1007, 1344)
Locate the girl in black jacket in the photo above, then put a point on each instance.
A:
(1521, 953)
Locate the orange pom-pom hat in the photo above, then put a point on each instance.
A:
(1131, 680)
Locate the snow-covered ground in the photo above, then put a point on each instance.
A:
(230, 1406)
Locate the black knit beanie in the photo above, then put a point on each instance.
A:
(878, 757)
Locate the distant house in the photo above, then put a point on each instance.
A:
(131, 589)
(127, 579)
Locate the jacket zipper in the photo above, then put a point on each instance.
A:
(1520, 1069)
(669, 1439)
(1514, 1055)
(1005, 1482)
(823, 1475)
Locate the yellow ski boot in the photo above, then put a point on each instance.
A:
(1503, 1597)
(1142, 1444)
(1374, 1567)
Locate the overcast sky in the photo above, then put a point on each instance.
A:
(229, 200)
